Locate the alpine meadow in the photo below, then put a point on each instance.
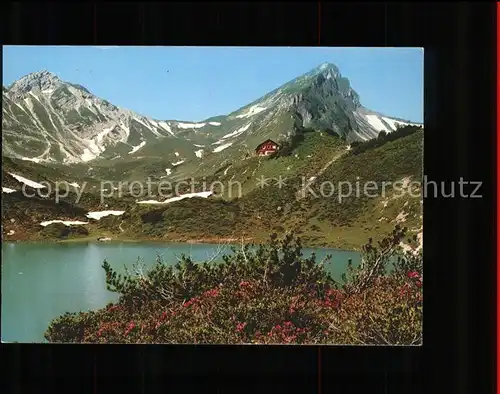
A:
(294, 219)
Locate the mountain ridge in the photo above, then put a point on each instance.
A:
(46, 119)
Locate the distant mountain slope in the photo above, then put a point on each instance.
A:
(321, 219)
(259, 209)
(47, 120)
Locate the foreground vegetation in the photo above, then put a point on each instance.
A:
(265, 295)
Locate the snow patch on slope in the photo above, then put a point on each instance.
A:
(101, 135)
(222, 147)
(27, 182)
(178, 198)
(87, 155)
(254, 110)
(92, 151)
(166, 126)
(376, 123)
(394, 123)
(65, 222)
(391, 122)
(32, 159)
(126, 129)
(155, 124)
(136, 148)
(190, 125)
(237, 132)
(146, 126)
(100, 214)
(199, 153)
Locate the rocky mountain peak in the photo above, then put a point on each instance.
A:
(324, 85)
(64, 122)
(37, 81)
(326, 67)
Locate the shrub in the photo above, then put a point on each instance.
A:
(55, 230)
(79, 231)
(260, 294)
(60, 230)
(383, 138)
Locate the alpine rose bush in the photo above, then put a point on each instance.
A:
(268, 295)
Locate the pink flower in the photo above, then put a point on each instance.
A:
(130, 328)
(418, 283)
(240, 326)
(211, 293)
(413, 274)
(191, 302)
(332, 292)
(290, 338)
(244, 283)
(404, 289)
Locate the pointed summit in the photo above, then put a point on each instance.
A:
(44, 74)
(324, 67)
(38, 80)
(327, 70)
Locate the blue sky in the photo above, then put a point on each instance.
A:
(194, 83)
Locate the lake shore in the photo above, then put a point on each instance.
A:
(233, 241)
(350, 238)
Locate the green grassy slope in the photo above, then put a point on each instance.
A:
(320, 220)
(249, 210)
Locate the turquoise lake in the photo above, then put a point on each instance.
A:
(43, 281)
